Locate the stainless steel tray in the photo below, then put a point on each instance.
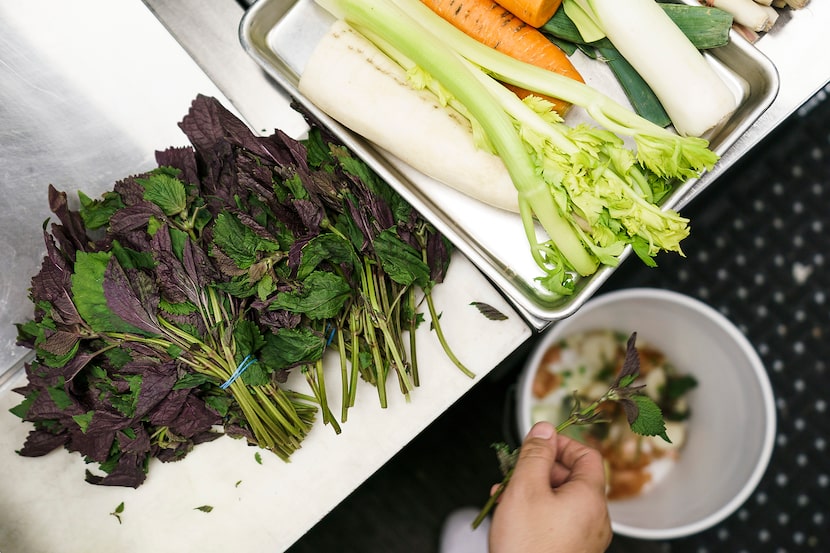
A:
(281, 35)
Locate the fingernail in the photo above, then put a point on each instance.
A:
(542, 430)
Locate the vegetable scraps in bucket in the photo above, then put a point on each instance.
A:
(180, 301)
(592, 196)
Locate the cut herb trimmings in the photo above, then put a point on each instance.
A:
(180, 300)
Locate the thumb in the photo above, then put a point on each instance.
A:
(537, 457)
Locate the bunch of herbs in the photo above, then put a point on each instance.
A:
(179, 301)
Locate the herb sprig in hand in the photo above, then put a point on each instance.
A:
(643, 414)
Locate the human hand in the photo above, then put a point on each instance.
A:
(555, 500)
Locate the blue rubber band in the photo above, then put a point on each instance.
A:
(247, 362)
(331, 337)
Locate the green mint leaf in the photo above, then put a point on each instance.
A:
(506, 457)
(649, 421)
(178, 239)
(119, 509)
(83, 420)
(221, 403)
(239, 287)
(626, 381)
(265, 287)
(183, 308)
(118, 357)
(291, 346)
(165, 191)
(174, 351)
(191, 380)
(255, 375)
(400, 261)
(59, 396)
(97, 213)
(296, 187)
(22, 409)
(126, 401)
(248, 338)
(132, 259)
(325, 247)
(258, 457)
(322, 296)
(238, 241)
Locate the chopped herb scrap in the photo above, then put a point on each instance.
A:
(489, 311)
(118, 511)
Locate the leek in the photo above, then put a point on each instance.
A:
(695, 97)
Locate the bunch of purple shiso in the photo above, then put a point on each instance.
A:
(171, 310)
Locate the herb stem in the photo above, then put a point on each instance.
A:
(344, 376)
(354, 325)
(436, 325)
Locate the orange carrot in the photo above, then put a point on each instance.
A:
(533, 12)
(491, 24)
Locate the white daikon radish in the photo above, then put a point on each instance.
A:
(694, 96)
(355, 83)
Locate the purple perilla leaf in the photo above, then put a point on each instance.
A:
(438, 256)
(631, 364)
(183, 159)
(362, 222)
(137, 443)
(96, 444)
(178, 280)
(53, 284)
(40, 442)
(131, 192)
(59, 342)
(133, 219)
(194, 418)
(128, 472)
(311, 214)
(134, 298)
(168, 409)
(45, 406)
(71, 233)
(208, 123)
(157, 381)
(631, 410)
